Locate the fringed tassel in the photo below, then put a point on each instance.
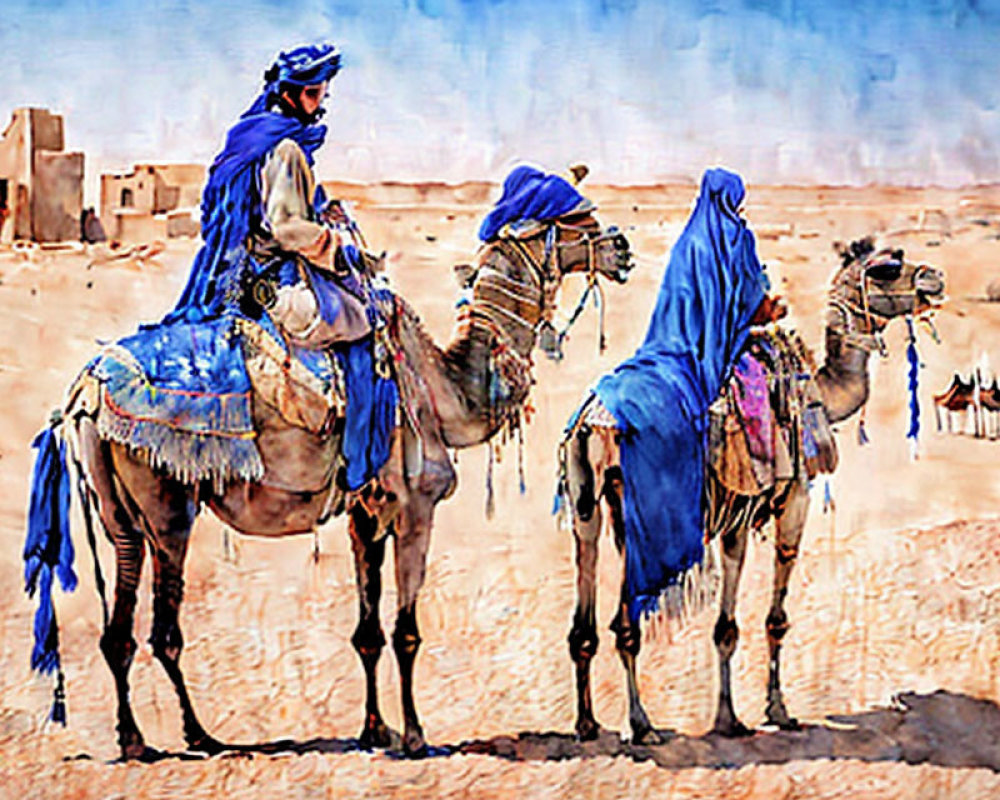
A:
(828, 504)
(49, 554)
(522, 486)
(862, 433)
(681, 601)
(189, 457)
(559, 501)
(602, 341)
(913, 359)
(58, 712)
(490, 507)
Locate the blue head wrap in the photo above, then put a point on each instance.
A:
(303, 66)
(530, 194)
(230, 194)
(711, 288)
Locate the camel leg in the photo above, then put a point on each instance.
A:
(583, 638)
(368, 638)
(412, 541)
(116, 643)
(166, 508)
(628, 636)
(166, 638)
(727, 633)
(790, 521)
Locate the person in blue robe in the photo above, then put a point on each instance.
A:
(712, 288)
(270, 253)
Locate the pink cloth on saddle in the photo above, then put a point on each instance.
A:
(753, 403)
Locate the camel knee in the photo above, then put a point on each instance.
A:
(118, 648)
(368, 640)
(166, 640)
(627, 634)
(406, 638)
(583, 642)
(777, 626)
(786, 553)
(726, 635)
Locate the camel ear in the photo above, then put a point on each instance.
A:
(373, 264)
(464, 274)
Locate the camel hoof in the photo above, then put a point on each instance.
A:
(414, 744)
(587, 730)
(133, 748)
(734, 730)
(648, 737)
(375, 736)
(139, 752)
(785, 723)
(208, 745)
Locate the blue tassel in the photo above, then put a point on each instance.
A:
(48, 550)
(48, 547)
(862, 433)
(58, 712)
(557, 500)
(913, 359)
(827, 497)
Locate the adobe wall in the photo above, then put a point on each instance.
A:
(57, 196)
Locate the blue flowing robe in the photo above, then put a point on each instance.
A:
(229, 207)
(659, 397)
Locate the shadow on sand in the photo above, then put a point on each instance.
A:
(943, 729)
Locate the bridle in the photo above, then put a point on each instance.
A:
(549, 272)
(868, 336)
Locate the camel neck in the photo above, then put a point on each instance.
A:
(843, 379)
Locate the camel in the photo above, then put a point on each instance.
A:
(959, 396)
(452, 398)
(867, 293)
(989, 403)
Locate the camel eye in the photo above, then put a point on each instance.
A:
(886, 271)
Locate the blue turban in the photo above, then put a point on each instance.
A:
(303, 66)
(530, 194)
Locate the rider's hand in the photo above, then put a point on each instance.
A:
(771, 309)
(334, 213)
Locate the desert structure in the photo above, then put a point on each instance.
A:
(41, 185)
(152, 201)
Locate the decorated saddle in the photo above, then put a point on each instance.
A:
(769, 422)
(183, 391)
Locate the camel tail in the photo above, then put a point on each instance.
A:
(48, 552)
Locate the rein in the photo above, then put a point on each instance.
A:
(548, 274)
(870, 337)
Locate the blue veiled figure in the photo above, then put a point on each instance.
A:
(712, 287)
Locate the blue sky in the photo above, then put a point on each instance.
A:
(782, 90)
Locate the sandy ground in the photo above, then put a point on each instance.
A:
(893, 659)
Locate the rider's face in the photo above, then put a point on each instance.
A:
(312, 97)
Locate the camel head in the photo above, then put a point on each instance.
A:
(873, 287)
(583, 245)
(574, 243)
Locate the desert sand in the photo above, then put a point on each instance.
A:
(892, 661)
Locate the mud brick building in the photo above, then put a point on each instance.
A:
(41, 186)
